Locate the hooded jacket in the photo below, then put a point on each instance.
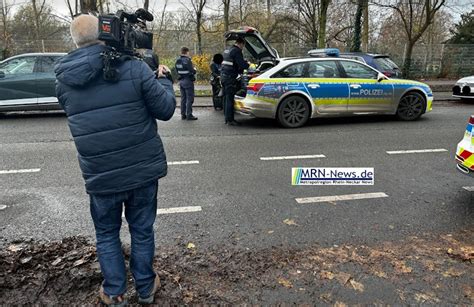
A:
(114, 124)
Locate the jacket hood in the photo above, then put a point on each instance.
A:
(80, 66)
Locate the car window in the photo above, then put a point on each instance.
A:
(385, 63)
(358, 70)
(323, 69)
(17, 66)
(291, 71)
(47, 64)
(353, 57)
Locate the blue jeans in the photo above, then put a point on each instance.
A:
(140, 212)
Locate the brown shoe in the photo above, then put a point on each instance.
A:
(114, 301)
(151, 298)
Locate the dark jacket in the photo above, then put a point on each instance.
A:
(185, 69)
(233, 63)
(113, 124)
(216, 69)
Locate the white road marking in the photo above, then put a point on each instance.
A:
(176, 210)
(3, 207)
(470, 189)
(183, 162)
(292, 157)
(399, 152)
(334, 198)
(19, 171)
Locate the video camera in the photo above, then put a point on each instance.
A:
(125, 33)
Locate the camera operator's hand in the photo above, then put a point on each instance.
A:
(162, 71)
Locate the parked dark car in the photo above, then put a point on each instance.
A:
(27, 82)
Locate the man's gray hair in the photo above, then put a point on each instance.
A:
(85, 30)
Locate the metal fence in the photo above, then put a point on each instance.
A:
(428, 61)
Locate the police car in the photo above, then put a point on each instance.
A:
(298, 89)
(465, 150)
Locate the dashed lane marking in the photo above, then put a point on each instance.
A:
(322, 199)
(399, 152)
(183, 162)
(470, 189)
(176, 210)
(293, 157)
(19, 171)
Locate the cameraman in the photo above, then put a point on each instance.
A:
(120, 153)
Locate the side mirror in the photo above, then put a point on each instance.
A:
(2, 74)
(381, 77)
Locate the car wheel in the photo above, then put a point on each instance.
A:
(411, 106)
(293, 112)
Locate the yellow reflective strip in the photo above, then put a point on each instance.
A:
(330, 101)
(357, 101)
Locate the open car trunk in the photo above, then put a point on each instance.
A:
(258, 49)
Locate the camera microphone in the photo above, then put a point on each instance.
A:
(144, 14)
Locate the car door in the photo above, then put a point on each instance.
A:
(328, 90)
(46, 80)
(18, 81)
(366, 93)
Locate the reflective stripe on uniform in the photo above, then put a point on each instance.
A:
(227, 63)
(183, 72)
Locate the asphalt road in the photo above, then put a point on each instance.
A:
(244, 200)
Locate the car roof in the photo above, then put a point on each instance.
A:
(290, 61)
(36, 54)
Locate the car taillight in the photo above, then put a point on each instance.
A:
(387, 73)
(254, 87)
(471, 120)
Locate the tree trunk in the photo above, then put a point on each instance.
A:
(146, 4)
(71, 12)
(269, 7)
(88, 6)
(365, 32)
(198, 31)
(357, 27)
(226, 14)
(407, 60)
(323, 12)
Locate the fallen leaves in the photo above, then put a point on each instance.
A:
(190, 246)
(401, 267)
(290, 222)
(285, 282)
(357, 285)
(464, 253)
(453, 272)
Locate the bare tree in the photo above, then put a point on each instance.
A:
(6, 36)
(357, 27)
(310, 22)
(416, 16)
(37, 11)
(197, 10)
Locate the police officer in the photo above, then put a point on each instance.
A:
(216, 67)
(186, 76)
(233, 65)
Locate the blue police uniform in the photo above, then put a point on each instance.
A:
(233, 65)
(186, 77)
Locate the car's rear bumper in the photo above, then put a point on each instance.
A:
(466, 171)
(255, 107)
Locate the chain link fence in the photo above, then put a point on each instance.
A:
(428, 61)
